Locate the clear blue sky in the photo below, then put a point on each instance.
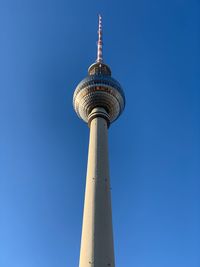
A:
(153, 50)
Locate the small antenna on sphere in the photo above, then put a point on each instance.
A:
(99, 43)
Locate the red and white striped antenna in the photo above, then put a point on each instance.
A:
(99, 43)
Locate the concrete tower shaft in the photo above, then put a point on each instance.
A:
(97, 235)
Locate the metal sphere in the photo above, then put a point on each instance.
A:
(99, 90)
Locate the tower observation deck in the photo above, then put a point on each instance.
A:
(98, 100)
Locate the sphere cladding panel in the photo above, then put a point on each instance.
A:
(98, 91)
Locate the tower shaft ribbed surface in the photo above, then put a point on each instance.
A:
(97, 234)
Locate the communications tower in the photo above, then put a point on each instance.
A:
(98, 100)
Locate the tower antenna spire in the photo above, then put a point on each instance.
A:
(99, 43)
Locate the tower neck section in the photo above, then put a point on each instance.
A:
(98, 112)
